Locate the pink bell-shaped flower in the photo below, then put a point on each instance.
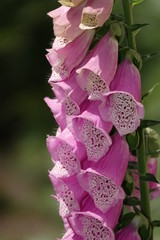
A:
(105, 193)
(66, 22)
(56, 108)
(112, 215)
(92, 132)
(95, 13)
(62, 111)
(114, 164)
(69, 87)
(98, 69)
(69, 194)
(70, 99)
(66, 153)
(121, 106)
(68, 203)
(90, 226)
(63, 62)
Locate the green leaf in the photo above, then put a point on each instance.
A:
(156, 223)
(135, 2)
(149, 177)
(131, 201)
(149, 56)
(135, 27)
(149, 123)
(133, 140)
(150, 91)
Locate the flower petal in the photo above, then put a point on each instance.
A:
(95, 13)
(123, 111)
(90, 226)
(109, 218)
(70, 87)
(67, 200)
(114, 164)
(65, 149)
(127, 79)
(103, 190)
(58, 111)
(99, 67)
(63, 62)
(91, 131)
(66, 22)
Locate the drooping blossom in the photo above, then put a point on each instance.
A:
(105, 193)
(66, 154)
(90, 226)
(70, 88)
(63, 62)
(88, 205)
(66, 22)
(67, 103)
(92, 132)
(95, 13)
(71, 3)
(69, 195)
(114, 164)
(122, 105)
(99, 67)
(60, 119)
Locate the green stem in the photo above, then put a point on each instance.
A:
(142, 167)
(141, 153)
(128, 18)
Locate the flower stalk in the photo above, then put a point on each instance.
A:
(141, 151)
(128, 17)
(142, 167)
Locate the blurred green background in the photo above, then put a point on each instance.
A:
(27, 212)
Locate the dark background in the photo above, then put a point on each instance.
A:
(27, 212)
